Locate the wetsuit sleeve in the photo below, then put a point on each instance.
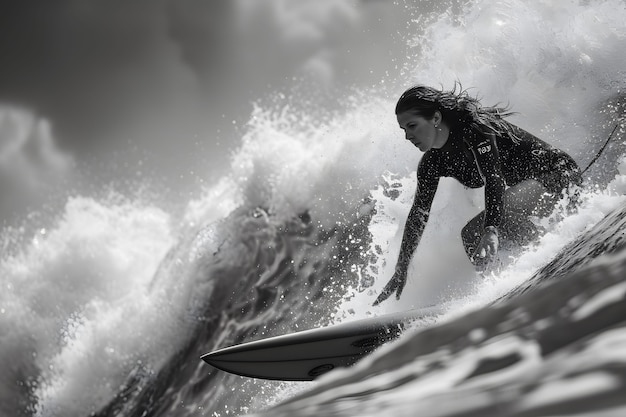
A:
(427, 183)
(488, 162)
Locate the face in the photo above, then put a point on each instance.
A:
(420, 131)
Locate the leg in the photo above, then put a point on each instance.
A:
(522, 201)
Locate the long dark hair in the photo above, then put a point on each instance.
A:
(457, 108)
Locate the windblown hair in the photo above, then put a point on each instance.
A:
(457, 108)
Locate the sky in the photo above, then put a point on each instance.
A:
(159, 90)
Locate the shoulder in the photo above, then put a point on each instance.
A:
(428, 159)
(479, 139)
(429, 165)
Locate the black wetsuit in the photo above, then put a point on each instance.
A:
(477, 160)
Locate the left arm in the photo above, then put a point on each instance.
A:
(487, 159)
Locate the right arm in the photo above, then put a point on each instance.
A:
(427, 184)
(416, 220)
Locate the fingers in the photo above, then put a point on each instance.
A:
(480, 254)
(486, 250)
(381, 297)
(379, 300)
(396, 285)
(387, 291)
(399, 292)
(484, 255)
(488, 244)
(400, 287)
(384, 295)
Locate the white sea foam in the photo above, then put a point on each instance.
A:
(77, 301)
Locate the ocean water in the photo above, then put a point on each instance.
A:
(108, 304)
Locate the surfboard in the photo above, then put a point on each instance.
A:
(305, 355)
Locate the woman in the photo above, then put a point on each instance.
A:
(522, 175)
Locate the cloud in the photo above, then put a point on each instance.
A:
(204, 32)
(318, 22)
(296, 37)
(92, 68)
(30, 160)
(238, 47)
(27, 148)
(163, 80)
(101, 70)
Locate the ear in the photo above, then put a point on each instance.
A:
(437, 117)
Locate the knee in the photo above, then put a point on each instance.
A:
(566, 174)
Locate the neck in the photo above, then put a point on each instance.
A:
(442, 135)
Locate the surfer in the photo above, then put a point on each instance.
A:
(523, 176)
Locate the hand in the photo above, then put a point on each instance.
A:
(487, 247)
(396, 284)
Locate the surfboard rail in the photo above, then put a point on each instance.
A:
(305, 355)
